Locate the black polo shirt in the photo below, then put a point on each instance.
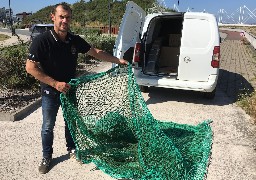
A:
(58, 59)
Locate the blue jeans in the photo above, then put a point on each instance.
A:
(50, 107)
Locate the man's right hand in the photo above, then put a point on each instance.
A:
(62, 87)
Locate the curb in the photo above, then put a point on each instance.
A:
(22, 113)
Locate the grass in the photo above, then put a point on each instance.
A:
(248, 101)
(4, 37)
(248, 104)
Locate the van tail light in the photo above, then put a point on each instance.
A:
(136, 53)
(216, 57)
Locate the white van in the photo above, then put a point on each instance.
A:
(179, 50)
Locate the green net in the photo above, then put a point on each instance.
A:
(113, 128)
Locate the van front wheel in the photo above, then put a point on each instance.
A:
(210, 95)
(143, 88)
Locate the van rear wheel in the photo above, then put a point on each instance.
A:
(143, 88)
(210, 95)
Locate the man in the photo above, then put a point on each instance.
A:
(52, 60)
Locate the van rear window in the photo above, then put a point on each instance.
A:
(197, 33)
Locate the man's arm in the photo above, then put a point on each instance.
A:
(34, 69)
(102, 55)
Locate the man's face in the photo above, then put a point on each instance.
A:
(61, 19)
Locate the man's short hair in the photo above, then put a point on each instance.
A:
(64, 5)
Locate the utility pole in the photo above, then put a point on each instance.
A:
(10, 19)
(109, 16)
(10, 13)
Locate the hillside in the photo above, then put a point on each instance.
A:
(93, 12)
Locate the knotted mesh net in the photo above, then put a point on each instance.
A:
(113, 128)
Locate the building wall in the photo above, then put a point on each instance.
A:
(2, 13)
(7, 13)
(21, 16)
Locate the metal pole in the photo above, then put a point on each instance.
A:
(10, 13)
(10, 19)
(109, 15)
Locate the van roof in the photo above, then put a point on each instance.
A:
(43, 25)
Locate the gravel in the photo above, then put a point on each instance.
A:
(233, 151)
(13, 100)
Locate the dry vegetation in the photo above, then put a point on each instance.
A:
(248, 101)
(251, 30)
(3, 37)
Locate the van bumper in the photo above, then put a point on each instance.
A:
(172, 82)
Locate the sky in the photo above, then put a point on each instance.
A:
(211, 6)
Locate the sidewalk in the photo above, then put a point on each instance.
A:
(237, 66)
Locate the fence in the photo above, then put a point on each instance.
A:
(105, 29)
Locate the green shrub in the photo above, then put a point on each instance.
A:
(13, 74)
(103, 42)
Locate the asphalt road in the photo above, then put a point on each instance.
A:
(18, 31)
